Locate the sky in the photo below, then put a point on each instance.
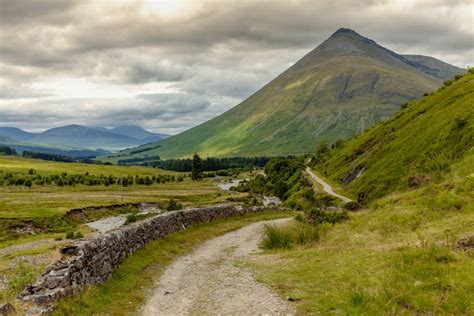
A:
(170, 65)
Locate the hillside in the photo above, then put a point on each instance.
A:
(84, 137)
(416, 147)
(433, 66)
(138, 133)
(72, 152)
(346, 82)
(16, 133)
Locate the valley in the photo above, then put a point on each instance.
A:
(292, 166)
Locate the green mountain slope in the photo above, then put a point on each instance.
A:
(418, 146)
(346, 82)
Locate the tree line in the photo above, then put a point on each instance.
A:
(65, 179)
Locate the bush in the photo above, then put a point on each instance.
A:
(353, 206)
(306, 234)
(276, 237)
(318, 216)
(173, 206)
(74, 235)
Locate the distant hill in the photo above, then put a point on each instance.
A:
(79, 137)
(138, 133)
(347, 83)
(84, 137)
(21, 146)
(419, 145)
(16, 133)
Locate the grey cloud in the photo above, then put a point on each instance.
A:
(212, 56)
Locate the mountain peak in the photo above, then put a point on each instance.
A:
(344, 30)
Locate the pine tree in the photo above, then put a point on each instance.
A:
(196, 173)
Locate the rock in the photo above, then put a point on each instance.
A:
(6, 309)
(293, 299)
(93, 261)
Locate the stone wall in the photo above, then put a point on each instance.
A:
(92, 261)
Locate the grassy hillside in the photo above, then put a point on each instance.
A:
(401, 257)
(416, 147)
(411, 252)
(346, 82)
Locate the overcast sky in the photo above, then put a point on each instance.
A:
(170, 65)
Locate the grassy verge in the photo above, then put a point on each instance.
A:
(396, 258)
(130, 284)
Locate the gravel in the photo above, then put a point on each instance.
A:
(209, 280)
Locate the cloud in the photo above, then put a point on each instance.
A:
(113, 62)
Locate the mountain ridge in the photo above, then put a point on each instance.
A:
(345, 82)
(80, 137)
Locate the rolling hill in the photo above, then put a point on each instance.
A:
(138, 133)
(347, 82)
(84, 137)
(20, 146)
(418, 146)
(16, 133)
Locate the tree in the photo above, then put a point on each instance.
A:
(196, 173)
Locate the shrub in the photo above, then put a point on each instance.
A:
(318, 216)
(305, 234)
(173, 206)
(74, 235)
(353, 206)
(276, 237)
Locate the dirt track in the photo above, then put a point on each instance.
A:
(209, 281)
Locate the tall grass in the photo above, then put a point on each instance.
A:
(286, 237)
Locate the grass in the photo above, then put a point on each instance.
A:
(305, 102)
(130, 284)
(49, 201)
(416, 147)
(396, 258)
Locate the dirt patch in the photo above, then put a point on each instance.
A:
(466, 243)
(210, 281)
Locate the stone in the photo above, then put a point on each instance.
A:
(93, 261)
(6, 309)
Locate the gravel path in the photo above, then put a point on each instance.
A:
(208, 281)
(27, 245)
(326, 187)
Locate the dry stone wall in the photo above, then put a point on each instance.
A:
(92, 261)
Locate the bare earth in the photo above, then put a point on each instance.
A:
(326, 187)
(209, 281)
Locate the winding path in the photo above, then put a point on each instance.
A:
(210, 281)
(326, 187)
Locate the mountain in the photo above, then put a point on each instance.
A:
(433, 66)
(418, 146)
(347, 83)
(138, 133)
(16, 133)
(84, 137)
(21, 146)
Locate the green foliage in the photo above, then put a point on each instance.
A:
(196, 173)
(323, 94)
(416, 147)
(23, 276)
(276, 237)
(8, 151)
(317, 216)
(173, 206)
(74, 235)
